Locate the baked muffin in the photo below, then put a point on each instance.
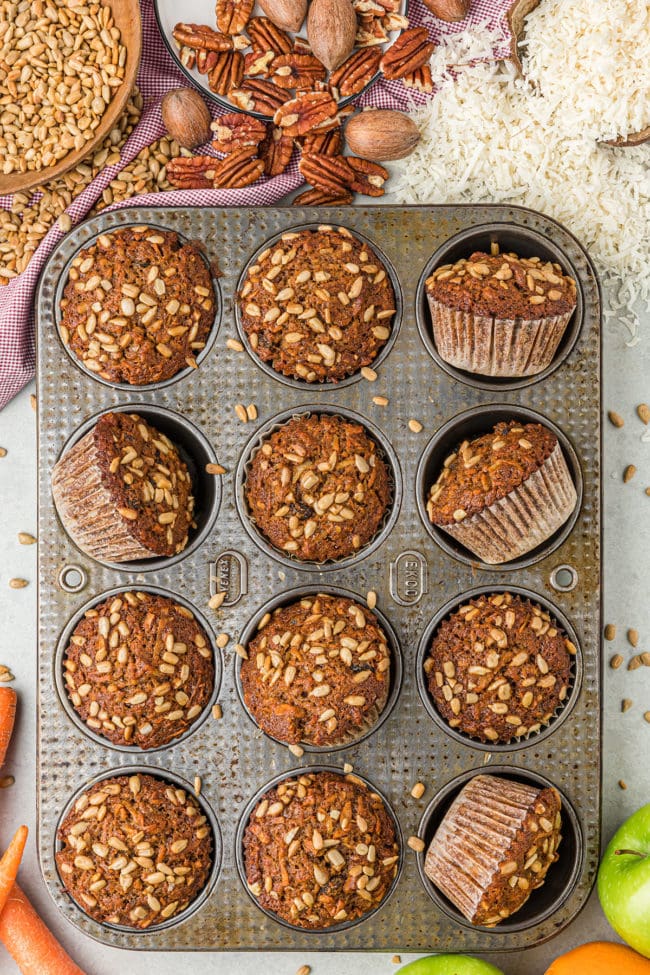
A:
(138, 306)
(318, 305)
(135, 851)
(318, 671)
(499, 668)
(139, 669)
(505, 492)
(123, 492)
(500, 314)
(494, 847)
(318, 488)
(320, 850)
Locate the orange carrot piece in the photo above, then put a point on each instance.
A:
(8, 700)
(10, 862)
(30, 943)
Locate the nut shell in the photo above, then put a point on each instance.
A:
(382, 135)
(449, 10)
(332, 31)
(286, 14)
(186, 117)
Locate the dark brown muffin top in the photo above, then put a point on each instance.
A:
(138, 305)
(319, 850)
(318, 488)
(135, 850)
(499, 667)
(139, 669)
(318, 305)
(504, 286)
(317, 671)
(483, 470)
(147, 480)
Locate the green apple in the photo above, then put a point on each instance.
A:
(624, 881)
(449, 965)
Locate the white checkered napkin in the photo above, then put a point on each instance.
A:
(157, 75)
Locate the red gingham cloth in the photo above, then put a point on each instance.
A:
(158, 73)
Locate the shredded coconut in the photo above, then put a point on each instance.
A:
(490, 137)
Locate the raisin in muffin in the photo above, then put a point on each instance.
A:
(317, 305)
(138, 306)
(139, 669)
(499, 668)
(494, 847)
(123, 492)
(135, 851)
(500, 314)
(505, 492)
(318, 488)
(318, 671)
(320, 849)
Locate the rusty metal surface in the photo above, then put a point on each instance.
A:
(412, 575)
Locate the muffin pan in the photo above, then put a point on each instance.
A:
(416, 574)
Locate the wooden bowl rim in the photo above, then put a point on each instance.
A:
(15, 182)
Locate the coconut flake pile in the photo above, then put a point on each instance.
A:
(490, 137)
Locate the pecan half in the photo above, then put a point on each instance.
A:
(187, 56)
(233, 15)
(332, 174)
(420, 79)
(369, 177)
(320, 198)
(315, 110)
(206, 60)
(201, 38)
(410, 51)
(297, 71)
(256, 95)
(276, 151)
(257, 64)
(235, 131)
(240, 168)
(265, 36)
(227, 72)
(192, 172)
(326, 143)
(355, 73)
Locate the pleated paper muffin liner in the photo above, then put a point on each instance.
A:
(524, 518)
(489, 346)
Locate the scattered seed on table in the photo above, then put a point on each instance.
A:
(418, 790)
(7, 781)
(629, 473)
(3, 451)
(26, 539)
(304, 970)
(647, 491)
(610, 631)
(626, 704)
(371, 599)
(251, 411)
(18, 583)
(416, 843)
(241, 651)
(646, 717)
(616, 661)
(347, 768)
(643, 411)
(240, 410)
(635, 662)
(297, 750)
(217, 712)
(215, 601)
(369, 374)
(615, 418)
(415, 426)
(197, 785)
(5, 675)
(396, 960)
(622, 784)
(32, 401)
(214, 469)
(234, 345)
(632, 637)
(645, 659)
(380, 400)
(222, 640)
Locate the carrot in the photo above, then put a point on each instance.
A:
(10, 862)
(30, 943)
(7, 715)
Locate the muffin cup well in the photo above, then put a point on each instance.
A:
(69, 708)
(96, 530)
(262, 434)
(355, 377)
(217, 848)
(560, 880)
(542, 510)
(563, 710)
(143, 387)
(493, 353)
(241, 863)
(372, 724)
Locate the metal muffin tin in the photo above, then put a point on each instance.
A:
(414, 575)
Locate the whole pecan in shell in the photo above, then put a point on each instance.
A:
(233, 15)
(256, 95)
(297, 71)
(236, 131)
(227, 73)
(320, 198)
(410, 51)
(201, 38)
(276, 151)
(240, 168)
(355, 73)
(315, 110)
(265, 36)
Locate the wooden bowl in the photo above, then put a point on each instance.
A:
(126, 14)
